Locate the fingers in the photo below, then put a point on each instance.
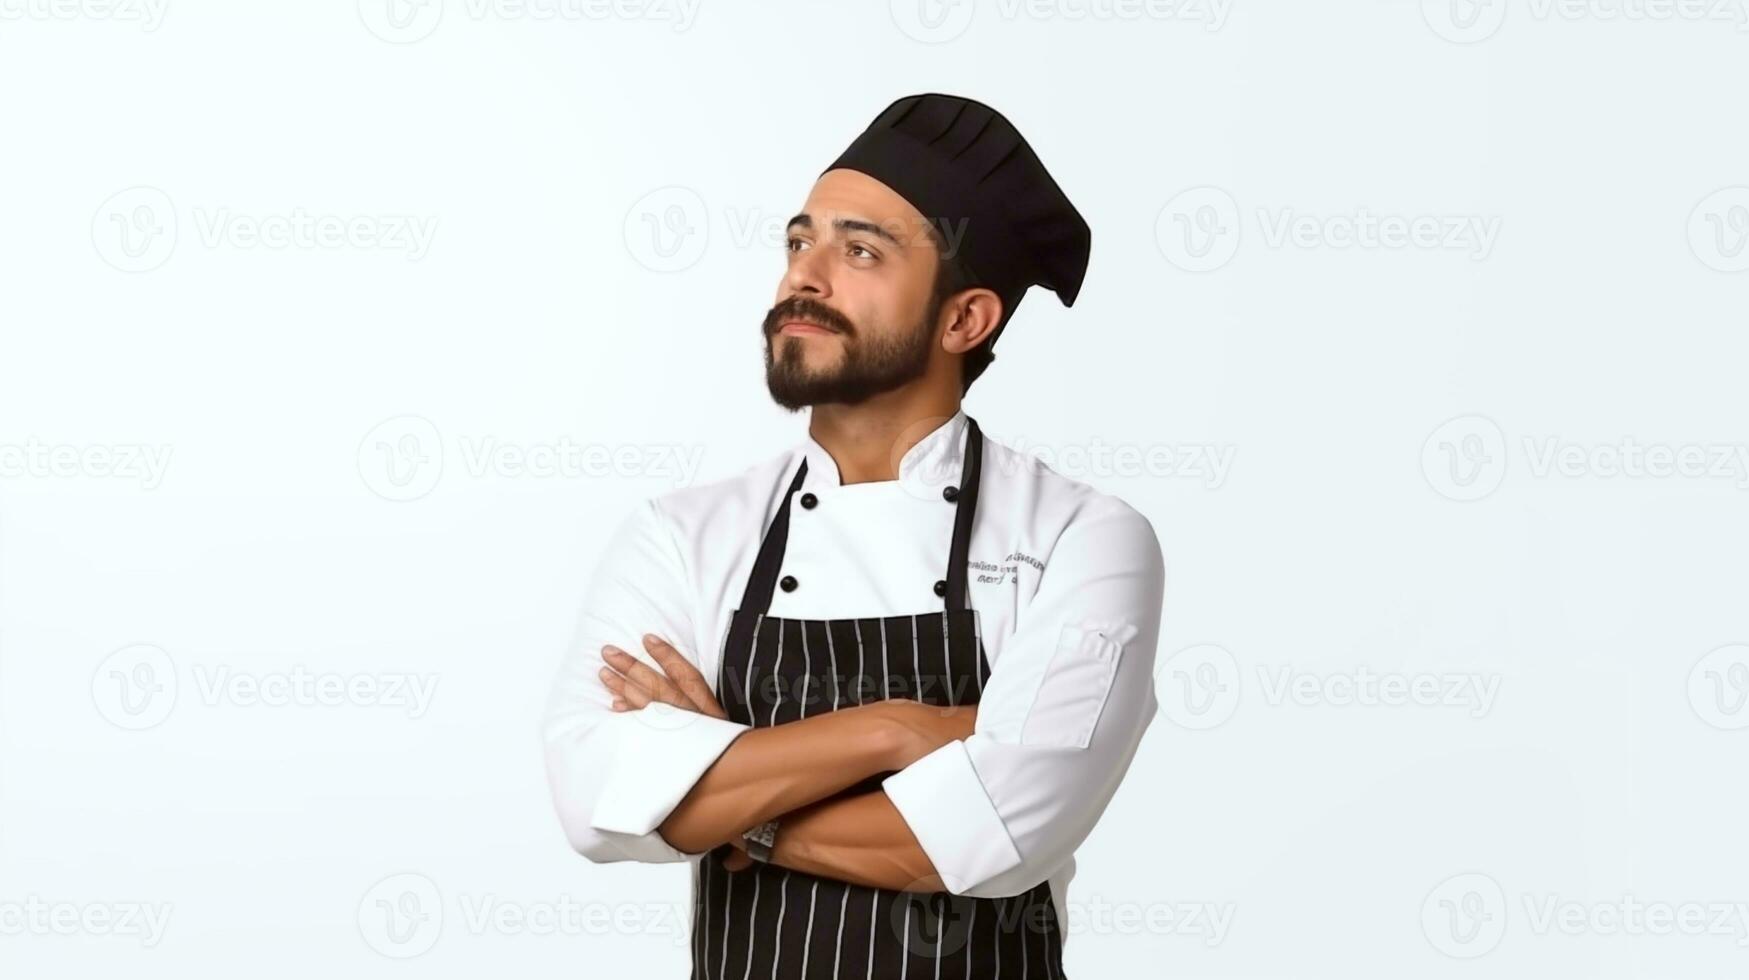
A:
(679, 669)
(738, 861)
(654, 685)
(683, 674)
(626, 695)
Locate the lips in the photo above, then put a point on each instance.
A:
(803, 328)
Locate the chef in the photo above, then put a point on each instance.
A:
(879, 688)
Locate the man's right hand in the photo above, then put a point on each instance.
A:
(918, 728)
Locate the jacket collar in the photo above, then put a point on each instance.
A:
(927, 468)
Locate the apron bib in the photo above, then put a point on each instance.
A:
(770, 922)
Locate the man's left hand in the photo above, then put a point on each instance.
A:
(635, 684)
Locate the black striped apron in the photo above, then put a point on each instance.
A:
(771, 923)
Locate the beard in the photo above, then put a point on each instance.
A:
(868, 368)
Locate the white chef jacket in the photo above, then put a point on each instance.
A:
(1067, 582)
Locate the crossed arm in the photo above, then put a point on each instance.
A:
(984, 801)
(797, 771)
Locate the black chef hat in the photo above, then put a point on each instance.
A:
(959, 161)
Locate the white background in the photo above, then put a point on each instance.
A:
(601, 191)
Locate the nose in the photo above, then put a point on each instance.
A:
(807, 274)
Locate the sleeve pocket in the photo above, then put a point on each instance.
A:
(1074, 688)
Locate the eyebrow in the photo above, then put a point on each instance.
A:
(847, 225)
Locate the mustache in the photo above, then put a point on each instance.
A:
(813, 311)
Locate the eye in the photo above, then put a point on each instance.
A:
(793, 242)
(864, 249)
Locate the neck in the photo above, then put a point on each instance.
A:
(868, 440)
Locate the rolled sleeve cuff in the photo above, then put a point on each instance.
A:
(661, 751)
(944, 803)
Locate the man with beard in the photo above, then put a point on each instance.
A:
(876, 690)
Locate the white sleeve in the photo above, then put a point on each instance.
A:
(616, 776)
(1065, 707)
